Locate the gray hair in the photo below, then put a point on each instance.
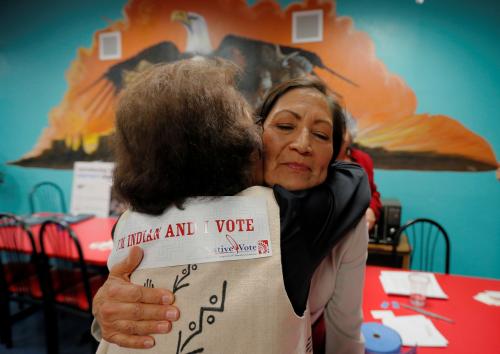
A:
(351, 124)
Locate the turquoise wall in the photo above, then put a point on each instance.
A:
(448, 53)
(446, 50)
(38, 41)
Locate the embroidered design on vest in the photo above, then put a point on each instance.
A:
(149, 283)
(210, 320)
(186, 272)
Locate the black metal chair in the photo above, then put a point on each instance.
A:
(427, 239)
(69, 282)
(47, 197)
(19, 276)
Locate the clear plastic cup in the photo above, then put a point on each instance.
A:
(419, 283)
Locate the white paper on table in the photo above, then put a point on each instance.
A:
(495, 295)
(397, 283)
(381, 314)
(488, 297)
(91, 191)
(102, 246)
(416, 330)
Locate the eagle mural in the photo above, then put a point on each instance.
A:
(257, 38)
(263, 63)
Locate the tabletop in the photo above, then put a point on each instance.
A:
(95, 238)
(476, 327)
(94, 235)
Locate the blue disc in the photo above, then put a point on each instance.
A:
(380, 339)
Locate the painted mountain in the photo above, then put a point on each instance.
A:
(258, 38)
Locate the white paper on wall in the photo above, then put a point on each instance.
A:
(91, 191)
(110, 45)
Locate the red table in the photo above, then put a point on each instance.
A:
(92, 234)
(477, 325)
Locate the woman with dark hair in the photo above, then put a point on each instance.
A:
(299, 135)
(295, 129)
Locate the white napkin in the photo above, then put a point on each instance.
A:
(397, 283)
(416, 330)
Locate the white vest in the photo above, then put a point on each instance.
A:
(233, 307)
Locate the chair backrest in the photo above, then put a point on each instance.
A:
(63, 265)
(18, 258)
(47, 196)
(427, 239)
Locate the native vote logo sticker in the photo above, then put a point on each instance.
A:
(263, 246)
(233, 245)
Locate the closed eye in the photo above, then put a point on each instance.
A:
(285, 126)
(322, 136)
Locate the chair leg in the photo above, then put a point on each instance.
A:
(94, 344)
(8, 335)
(5, 323)
(51, 328)
(87, 337)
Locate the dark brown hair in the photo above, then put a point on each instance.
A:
(181, 132)
(304, 82)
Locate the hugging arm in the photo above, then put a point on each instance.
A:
(343, 313)
(338, 281)
(126, 314)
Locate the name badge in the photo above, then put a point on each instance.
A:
(207, 230)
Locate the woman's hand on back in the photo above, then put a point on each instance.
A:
(127, 313)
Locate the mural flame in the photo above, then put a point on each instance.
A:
(384, 105)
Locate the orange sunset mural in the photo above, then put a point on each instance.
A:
(258, 38)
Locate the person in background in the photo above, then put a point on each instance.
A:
(352, 154)
(302, 141)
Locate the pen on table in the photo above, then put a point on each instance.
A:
(428, 313)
